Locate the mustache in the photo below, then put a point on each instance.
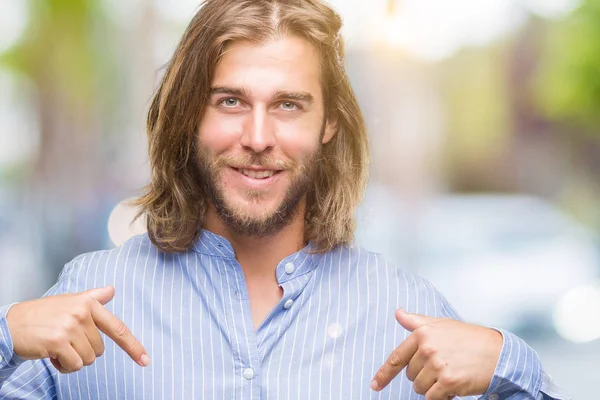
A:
(244, 160)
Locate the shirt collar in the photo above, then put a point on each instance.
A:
(292, 266)
(212, 244)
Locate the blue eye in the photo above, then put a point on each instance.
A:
(288, 106)
(230, 102)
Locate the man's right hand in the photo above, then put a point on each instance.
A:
(65, 328)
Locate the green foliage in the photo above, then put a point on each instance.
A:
(475, 87)
(568, 84)
(61, 47)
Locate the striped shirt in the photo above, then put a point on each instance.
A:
(331, 331)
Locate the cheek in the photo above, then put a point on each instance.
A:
(217, 134)
(300, 141)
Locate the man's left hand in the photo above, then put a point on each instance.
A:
(444, 357)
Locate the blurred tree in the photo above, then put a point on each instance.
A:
(568, 83)
(66, 53)
(567, 91)
(476, 89)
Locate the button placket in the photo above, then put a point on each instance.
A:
(240, 333)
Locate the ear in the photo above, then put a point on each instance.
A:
(331, 128)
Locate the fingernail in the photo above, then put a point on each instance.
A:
(374, 385)
(144, 360)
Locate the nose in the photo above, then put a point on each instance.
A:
(259, 131)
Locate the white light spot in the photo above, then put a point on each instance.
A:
(335, 330)
(13, 22)
(179, 11)
(435, 29)
(120, 226)
(577, 314)
(552, 8)
(19, 124)
(328, 360)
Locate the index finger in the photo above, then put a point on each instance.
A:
(395, 363)
(120, 334)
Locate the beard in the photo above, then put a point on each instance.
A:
(242, 222)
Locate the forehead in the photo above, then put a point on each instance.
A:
(285, 63)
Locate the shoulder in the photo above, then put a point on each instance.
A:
(361, 259)
(107, 267)
(396, 285)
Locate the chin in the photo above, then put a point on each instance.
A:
(249, 213)
(255, 204)
(257, 212)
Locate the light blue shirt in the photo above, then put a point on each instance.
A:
(329, 334)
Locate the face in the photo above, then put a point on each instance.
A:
(261, 136)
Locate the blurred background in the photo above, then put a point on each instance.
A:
(484, 118)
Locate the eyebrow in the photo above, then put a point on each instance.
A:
(298, 96)
(279, 95)
(229, 90)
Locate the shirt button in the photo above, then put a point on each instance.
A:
(289, 268)
(494, 396)
(248, 373)
(288, 304)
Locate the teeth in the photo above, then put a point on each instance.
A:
(257, 174)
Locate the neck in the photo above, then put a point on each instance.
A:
(257, 255)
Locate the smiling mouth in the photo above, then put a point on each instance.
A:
(257, 174)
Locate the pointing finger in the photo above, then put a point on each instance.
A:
(120, 334)
(396, 362)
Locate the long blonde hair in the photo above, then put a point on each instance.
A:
(174, 202)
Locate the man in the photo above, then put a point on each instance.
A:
(248, 284)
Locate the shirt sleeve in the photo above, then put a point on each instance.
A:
(8, 363)
(20, 379)
(25, 379)
(519, 374)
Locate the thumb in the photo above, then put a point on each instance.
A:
(102, 295)
(410, 321)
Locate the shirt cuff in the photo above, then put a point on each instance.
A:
(519, 371)
(8, 359)
(551, 389)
